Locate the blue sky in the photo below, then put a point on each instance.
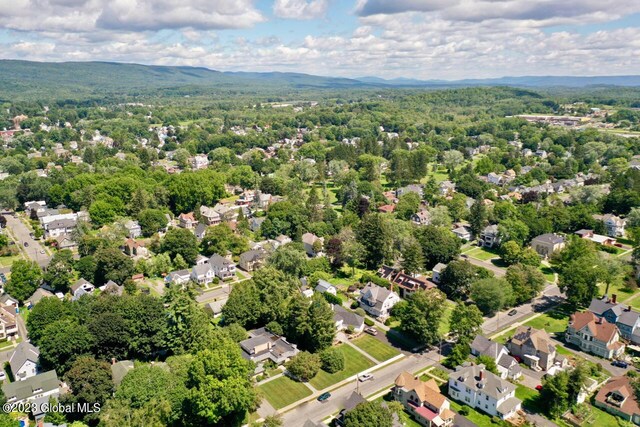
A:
(425, 39)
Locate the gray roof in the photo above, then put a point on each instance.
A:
(4, 298)
(200, 228)
(24, 351)
(509, 405)
(219, 261)
(348, 318)
(112, 287)
(375, 293)
(61, 223)
(38, 295)
(252, 255)
(78, 284)
(21, 390)
(323, 286)
(490, 384)
(201, 269)
(120, 369)
(439, 267)
(549, 238)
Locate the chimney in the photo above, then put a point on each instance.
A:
(113, 360)
(481, 374)
(614, 297)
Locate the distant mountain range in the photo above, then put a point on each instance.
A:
(26, 79)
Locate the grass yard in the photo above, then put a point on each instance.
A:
(7, 261)
(354, 362)
(284, 391)
(375, 348)
(561, 350)
(479, 419)
(548, 273)
(446, 317)
(553, 321)
(622, 292)
(530, 399)
(635, 302)
(482, 254)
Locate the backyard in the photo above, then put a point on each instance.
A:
(284, 391)
(375, 348)
(354, 362)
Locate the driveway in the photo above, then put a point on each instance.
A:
(35, 251)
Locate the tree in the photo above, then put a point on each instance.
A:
(408, 204)
(62, 342)
(530, 257)
(332, 360)
(243, 306)
(187, 325)
(488, 362)
(367, 414)
(273, 421)
(46, 312)
(112, 264)
(304, 365)
(459, 354)
(451, 159)
(151, 221)
(579, 281)
(111, 335)
(422, 315)
(289, 260)
(555, 391)
(220, 390)
(220, 239)
(412, 256)
(26, 277)
(611, 271)
(465, 322)
(90, 382)
(86, 267)
(60, 271)
(513, 229)
(491, 295)
(180, 241)
(439, 245)
(456, 279)
(478, 216)
(526, 282)
(374, 235)
(322, 328)
(335, 254)
(510, 252)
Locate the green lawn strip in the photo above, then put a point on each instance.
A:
(479, 419)
(446, 317)
(548, 273)
(284, 391)
(635, 302)
(561, 350)
(354, 362)
(619, 289)
(602, 418)
(530, 399)
(553, 321)
(375, 348)
(483, 254)
(7, 261)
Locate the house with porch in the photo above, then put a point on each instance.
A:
(594, 335)
(534, 347)
(423, 400)
(377, 301)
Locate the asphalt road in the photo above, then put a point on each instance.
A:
(34, 250)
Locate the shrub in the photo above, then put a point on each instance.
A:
(360, 311)
(368, 322)
(464, 411)
(368, 277)
(332, 299)
(355, 304)
(332, 360)
(304, 366)
(388, 322)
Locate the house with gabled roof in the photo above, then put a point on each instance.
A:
(533, 346)
(187, 220)
(423, 400)
(24, 361)
(37, 296)
(594, 335)
(507, 366)
(377, 301)
(252, 260)
(405, 283)
(347, 319)
(618, 397)
(222, 267)
(623, 316)
(81, 287)
(37, 390)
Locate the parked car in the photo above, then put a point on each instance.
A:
(371, 331)
(3, 376)
(324, 396)
(26, 244)
(513, 312)
(539, 387)
(620, 364)
(365, 377)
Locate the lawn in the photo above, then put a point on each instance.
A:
(530, 399)
(622, 292)
(561, 350)
(479, 419)
(553, 321)
(548, 273)
(482, 254)
(284, 391)
(446, 317)
(7, 261)
(354, 362)
(375, 348)
(635, 302)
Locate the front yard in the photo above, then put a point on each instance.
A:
(553, 321)
(283, 391)
(354, 362)
(375, 348)
(483, 254)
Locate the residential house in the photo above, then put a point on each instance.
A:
(215, 307)
(347, 320)
(119, 370)
(36, 390)
(377, 301)
(8, 300)
(352, 401)
(422, 217)
(263, 200)
(412, 188)
(64, 241)
(201, 259)
(256, 222)
(437, 271)
(534, 347)
(178, 277)
(222, 267)
(386, 208)
(263, 345)
(423, 400)
(312, 244)
(507, 366)
(618, 397)
(463, 233)
(200, 231)
(112, 288)
(187, 220)
(614, 225)
(283, 240)
(594, 335)
(202, 274)
(58, 227)
(623, 316)
(37, 296)
(81, 287)
(490, 236)
(596, 238)
(547, 244)
(324, 286)
(405, 283)
(24, 361)
(474, 386)
(134, 249)
(199, 161)
(210, 216)
(8, 323)
(252, 260)
(447, 188)
(133, 229)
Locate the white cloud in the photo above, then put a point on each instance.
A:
(300, 9)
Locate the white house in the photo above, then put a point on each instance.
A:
(37, 389)
(437, 271)
(614, 225)
(202, 274)
(24, 361)
(474, 386)
(345, 319)
(377, 301)
(324, 286)
(80, 288)
(222, 267)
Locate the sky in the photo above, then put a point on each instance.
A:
(422, 39)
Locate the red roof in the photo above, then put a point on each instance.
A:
(387, 208)
(425, 412)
